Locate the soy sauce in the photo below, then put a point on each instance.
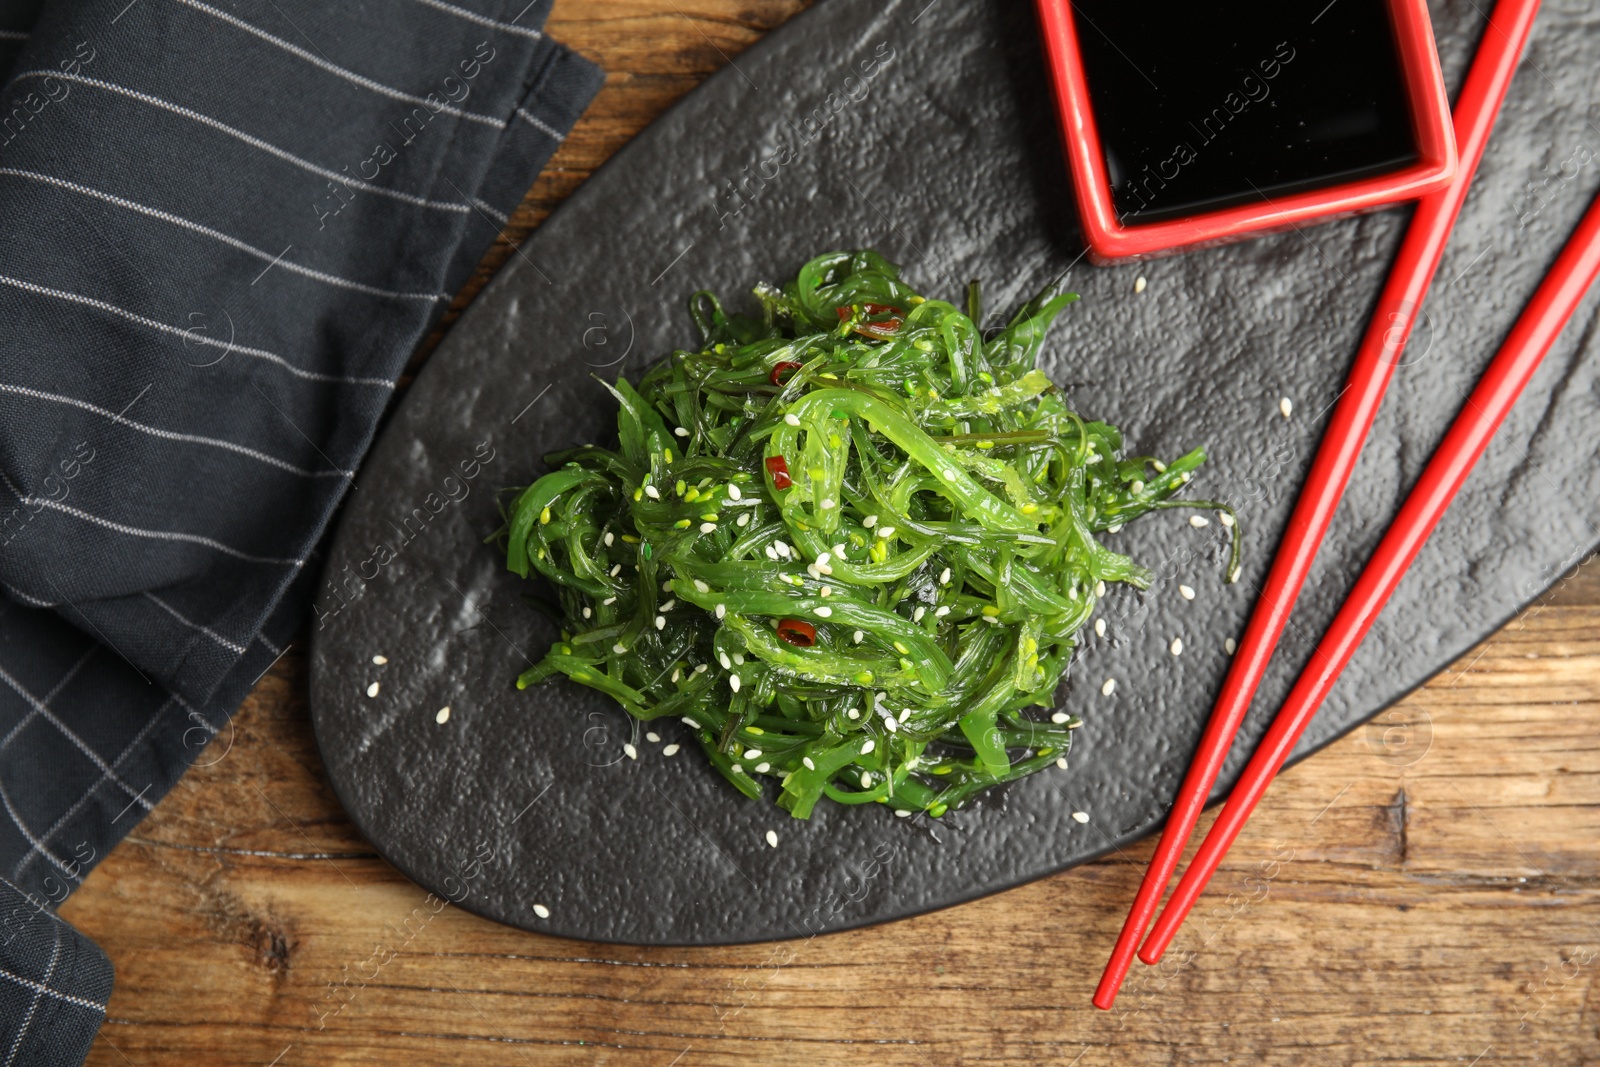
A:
(1202, 106)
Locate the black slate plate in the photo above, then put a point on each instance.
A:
(946, 159)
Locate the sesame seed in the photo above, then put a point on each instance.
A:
(1230, 646)
(916, 616)
(1225, 519)
(808, 764)
(826, 590)
(1233, 575)
(792, 419)
(870, 521)
(652, 492)
(690, 723)
(1199, 522)
(1115, 527)
(822, 611)
(372, 690)
(825, 503)
(708, 527)
(772, 838)
(677, 672)
(782, 548)
(823, 559)
(859, 636)
(1080, 816)
(701, 586)
(1099, 588)
(991, 620)
(541, 911)
(588, 612)
(734, 493)
(727, 664)
(1137, 487)
(772, 553)
(1286, 406)
(941, 611)
(652, 737)
(1059, 717)
(1161, 468)
(616, 570)
(854, 713)
(380, 660)
(669, 605)
(733, 682)
(681, 431)
(1177, 646)
(701, 669)
(1108, 687)
(1186, 592)
(610, 538)
(812, 570)
(632, 753)
(944, 576)
(742, 520)
(722, 611)
(619, 648)
(886, 532)
(752, 753)
(868, 746)
(1061, 762)
(442, 716)
(902, 813)
(866, 778)
(670, 750)
(1139, 284)
(661, 622)
(890, 724)
(1099, 627)
(608, 601)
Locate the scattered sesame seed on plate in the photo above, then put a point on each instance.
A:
(1099, 588)
(619, 648)
(652, 492)
(1080, 816)
(1187, 592)
(708, 527)
(792, 419)
(854, 713)
(611, 538)
(859, 636)
(734, 493)
(443, 715)
(1176, 647)
(372, 690)
(681, 431)
(902, 813)
(752, 753)
(772, 838)
(652, 737)
(733, 682)
(1099, 627)
(630, 751)
(1225, 519)
(870, 521)
(661, 622)
(701, 586)
(763, 767)
(1061, 761)
(742, 520)
(722, 611)
(541, 911)
(1108, 687)
(1230, 646)
(1139, 284)
(670, 750)
(1199, 522)
(807, 761)
(822, 611)
(1286, 406)
(868, 746)
(1059, 717)
(944, 576)
(380, 660)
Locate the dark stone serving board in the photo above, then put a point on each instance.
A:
(947, 160)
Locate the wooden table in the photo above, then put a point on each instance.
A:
(1428, 904)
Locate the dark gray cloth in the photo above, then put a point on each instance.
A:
(224, 227)
(54, 984)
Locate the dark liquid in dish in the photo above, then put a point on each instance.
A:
(1202, 107)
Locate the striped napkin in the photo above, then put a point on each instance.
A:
(224, 227)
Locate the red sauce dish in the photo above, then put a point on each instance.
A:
(1191, 125)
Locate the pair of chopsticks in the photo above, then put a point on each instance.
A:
(1508, 373)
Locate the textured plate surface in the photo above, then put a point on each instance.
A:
(926, 131)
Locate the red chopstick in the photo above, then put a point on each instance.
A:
(1541, 322)
(1341, 445)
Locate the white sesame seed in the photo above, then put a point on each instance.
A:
(866, 778)
(442, 716)
(772, 553)
(783, 549)
(1185, 477)
(886, 532)
(1108, 687)
(380, 660)
(1059, 717)
(608, 601)
(991, 620)
(808, 764)
(677, 672)
(652, 737)
(661, 622)
(1061, 761)
(541, 911)
(868, 746)
(1233, 575)
(823, 559)
(826, 590)
(1225, 519)
(616, 570)
(792, 419)
(854, 713)
(811, 569)
(708, 527)
(1115, 527)
(372, 690)
(752, 753)
(588, 612)
(733, 682)
(652, 492)
(1286, 406)
(902, 813)
(941, 611)
(734, 493)
(666, 586)
(701, 586)
(630, 751)
(1099, 588)
(1139, 284)
(890, 724)
(870, 521)
(727, 664)
(722, 611)
(916, 616)
(670, 750)
(1161, 468)
(859, 636)
(619, 648)
(944, 576)
(822, 611)
(669, 605)
(690, 722)
(681, 431)
(1186, 592)
(742, 520)
(825, 503)
(701, 669)
(1199, 522)
(610, 538)
(1230, 646)
(772, 838)
(1177, 646)
(1137, 487)
(1099, 627)
(1080, 816)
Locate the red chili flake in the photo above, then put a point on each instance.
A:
(797, 632)
(788, 366)
(879, 330)
(778, 468)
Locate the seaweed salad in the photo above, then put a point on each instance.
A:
(849, 541)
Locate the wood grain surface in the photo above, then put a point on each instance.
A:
(1423, 892)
